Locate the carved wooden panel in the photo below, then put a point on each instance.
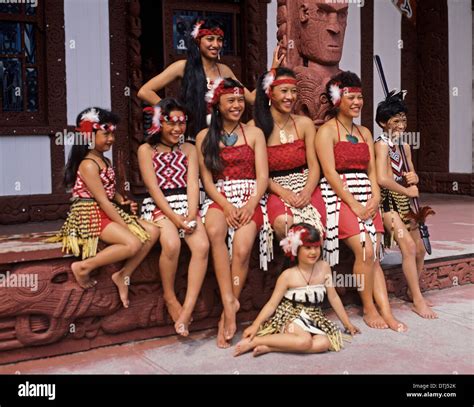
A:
(433, 86)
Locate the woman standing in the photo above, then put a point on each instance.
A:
(198, 72)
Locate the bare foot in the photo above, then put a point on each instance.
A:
(221, 341)
(174, 309)
(122, 286)
(394, 324)
(410, 297)
(244, 346)
(374, 320)
(182, 324)
(261, 350)
(423, 310)
(230, 325)
(81, 274)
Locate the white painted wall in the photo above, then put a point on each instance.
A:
(387, 37)
(25, 165)
(87, 57)
(271, 30)
(351, 52)
(460, 77)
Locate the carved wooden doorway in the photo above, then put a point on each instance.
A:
(157, 29)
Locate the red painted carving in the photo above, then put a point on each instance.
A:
(313, 39)
(59, 317)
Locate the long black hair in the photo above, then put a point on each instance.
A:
(79, 151)
(262, 115)
(344, 79)
(210, 145)
(167, 106)
(194, 83)
(391, 106)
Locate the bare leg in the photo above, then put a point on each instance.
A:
(408, 248)
(320, 344)
(199, 245)
(244, 239)
(122, 245)
(298, 341)
(216, 227)
(122, 277)
(381, 298)
(280, 225)
(168, 265)
(381, 295)
(420, 258)
(364, 269)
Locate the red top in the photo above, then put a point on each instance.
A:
(238, 162)
(107, 176)
(349, 156)
(284, 157)
(171, 169)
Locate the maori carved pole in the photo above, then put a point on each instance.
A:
(312, 34)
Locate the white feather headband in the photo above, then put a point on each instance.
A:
(195, 31)
(155, 121)
(210, 95)
(336, 92)
(91, 116)
(267, 81)
(292, 242)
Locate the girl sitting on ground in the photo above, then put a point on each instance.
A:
(297, 323)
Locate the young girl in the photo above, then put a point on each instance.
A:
(298, 323)
(234, 170)
(170, 171)
(294, 168)
(94, 212)
(395, 197)
(351, 194)
(198, 72)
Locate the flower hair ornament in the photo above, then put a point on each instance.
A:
(155, 112)
(197, 32)
(90, 121)
(269, 83)
(336, 92)
(296, 237)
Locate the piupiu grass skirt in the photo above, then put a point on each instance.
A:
(81, 230)
(289, 311)
(391, 202)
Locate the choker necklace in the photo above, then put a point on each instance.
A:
(167, 145)
(350, 138)
(230, 138)
(284, 137)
